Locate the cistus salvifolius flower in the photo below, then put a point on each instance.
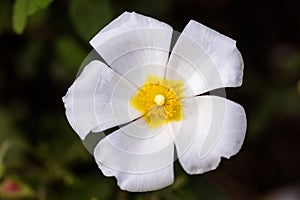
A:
(158, 95)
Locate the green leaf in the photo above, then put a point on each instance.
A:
(23, 9)
(89, 16)
(20, 15)
(36, 5)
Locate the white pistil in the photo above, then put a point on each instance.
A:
(159, 100)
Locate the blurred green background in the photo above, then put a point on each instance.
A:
(42, 44)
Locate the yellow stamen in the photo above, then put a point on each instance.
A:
(159, 101)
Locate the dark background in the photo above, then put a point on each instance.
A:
(42, 46)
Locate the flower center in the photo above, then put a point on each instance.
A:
(159, 101)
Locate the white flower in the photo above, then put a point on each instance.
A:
(155, 96)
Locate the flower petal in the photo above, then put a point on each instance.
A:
(135, 44)
(216, 128)
(98, 97)
(139, 157)
(205, 59)
(141, 182)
